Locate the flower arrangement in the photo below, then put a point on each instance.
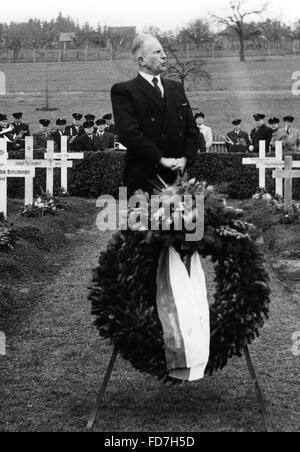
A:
(286, 216)
(62, 193)
(43, 205)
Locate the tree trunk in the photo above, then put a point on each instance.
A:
(242, 49)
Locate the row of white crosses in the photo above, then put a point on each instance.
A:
(26, 168)
(283, 170)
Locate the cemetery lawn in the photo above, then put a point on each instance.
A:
(55, 361)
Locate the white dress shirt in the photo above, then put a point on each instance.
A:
(207, 132)
(149, 79)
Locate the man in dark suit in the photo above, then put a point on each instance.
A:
(110, 126)
(237, 140)
(21, 130)
(154, 120)
(260, 133)
(6, 132)
(88, 142)
(106, 139)
(61, 131)
(74, 130)
(40, 138)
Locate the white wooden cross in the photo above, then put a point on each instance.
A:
(262, 163)
(2, 84)
(64, 157)
(53, 163)
(288, 174)
(13, 168)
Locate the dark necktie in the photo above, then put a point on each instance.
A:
(156, 87)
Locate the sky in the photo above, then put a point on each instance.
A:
(164, 14)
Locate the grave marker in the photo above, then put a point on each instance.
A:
(288, 174)
(11, 168)
(2, 84)
(64, 156)
(262, 163)
(53, 163)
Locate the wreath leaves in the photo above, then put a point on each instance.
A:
(123, 292)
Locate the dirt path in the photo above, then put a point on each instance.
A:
(54, 363)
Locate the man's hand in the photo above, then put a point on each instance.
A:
(167, 162)
(180, 164)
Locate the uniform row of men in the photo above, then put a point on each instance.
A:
(102, 134)
(238, 140)
(90, 135)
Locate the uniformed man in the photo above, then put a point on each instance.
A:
(202, 143)
(205, 130)
(89, 141)
(6, 131)
(20, 127)
(40, 138)
(291, 142)
(278, 134)
(106, 138)
(61, 131)
(260, 133)
(75, 130)
(110, 126)
(237, 140)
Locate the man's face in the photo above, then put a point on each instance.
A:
(275, 126)
(3, 123)
(153, 59)
(76, 122)
(259, 122)
(287, 123)
(200, 121)
(89, 130)
(61, 128)
(101, 128)
(237, 127)
(44, 129)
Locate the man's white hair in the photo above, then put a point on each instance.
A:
(138, 44)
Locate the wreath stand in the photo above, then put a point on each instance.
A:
(111, 365)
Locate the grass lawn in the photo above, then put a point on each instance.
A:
(237, 89)
(55, 361)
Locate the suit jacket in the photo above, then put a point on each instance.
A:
(85, 144)
(21, 127)
(112, 129)
(40, 140)
(263, 133)
(241, 141)
(151, 128)
(291, 141)
(107, 140)
(277, 135)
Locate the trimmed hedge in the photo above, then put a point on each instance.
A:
(102, 173)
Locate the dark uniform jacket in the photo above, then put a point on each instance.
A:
(201, 142)
(151, 128)
(107, 140)
(240, 141)
(112, 128)
(22, 127)
(40, 140)
(56, 136)
(85, 144)
(74, 133)
(263, 133)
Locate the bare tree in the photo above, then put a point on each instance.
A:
(235, 21)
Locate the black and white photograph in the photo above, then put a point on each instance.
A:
(150, 219)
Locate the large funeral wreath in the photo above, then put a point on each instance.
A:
(123, 291)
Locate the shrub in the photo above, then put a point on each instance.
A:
(102, 173)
